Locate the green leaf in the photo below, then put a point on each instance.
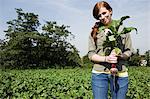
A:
(111, 38)
(128, 29)
(120, 22)
(114, 26)
(123, 18)
(117, 50)
(101, 28)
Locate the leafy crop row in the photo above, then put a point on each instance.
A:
(139, 87)
(64, 84)
(60, 83)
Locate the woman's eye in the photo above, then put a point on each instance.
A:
(103, 13)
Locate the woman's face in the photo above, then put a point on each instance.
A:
(105, 16)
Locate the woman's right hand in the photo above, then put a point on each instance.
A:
(111, 58)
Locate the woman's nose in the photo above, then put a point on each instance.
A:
(103, 16)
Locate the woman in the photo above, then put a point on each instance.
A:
(102, 70)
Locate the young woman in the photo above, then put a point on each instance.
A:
(102, 70)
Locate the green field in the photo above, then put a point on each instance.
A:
(64, 83)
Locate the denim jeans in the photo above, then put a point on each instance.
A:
(100, 84)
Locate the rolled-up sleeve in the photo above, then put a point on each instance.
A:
(91, 47)
(128, 45)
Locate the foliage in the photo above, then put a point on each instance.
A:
(135, 59)
(139, 86)
(26, 47)
(113, 35)
(51, 83)
(62, 52)
(65, 83)
(147, 57)
(86, 62)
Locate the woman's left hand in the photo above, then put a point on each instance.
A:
(114, 71)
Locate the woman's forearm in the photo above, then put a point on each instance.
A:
(108, 59)
(98, 58)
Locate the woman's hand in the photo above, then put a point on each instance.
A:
(114, 71)
(123, 56)
(112, 58)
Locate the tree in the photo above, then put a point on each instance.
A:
(86, 61)
(20, 33)
(147, 57)
(62, 52)
(135, 59)
(26, 47)
(1, 52)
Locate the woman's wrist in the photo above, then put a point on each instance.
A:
(106, 59)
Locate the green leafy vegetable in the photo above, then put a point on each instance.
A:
(112, 38)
